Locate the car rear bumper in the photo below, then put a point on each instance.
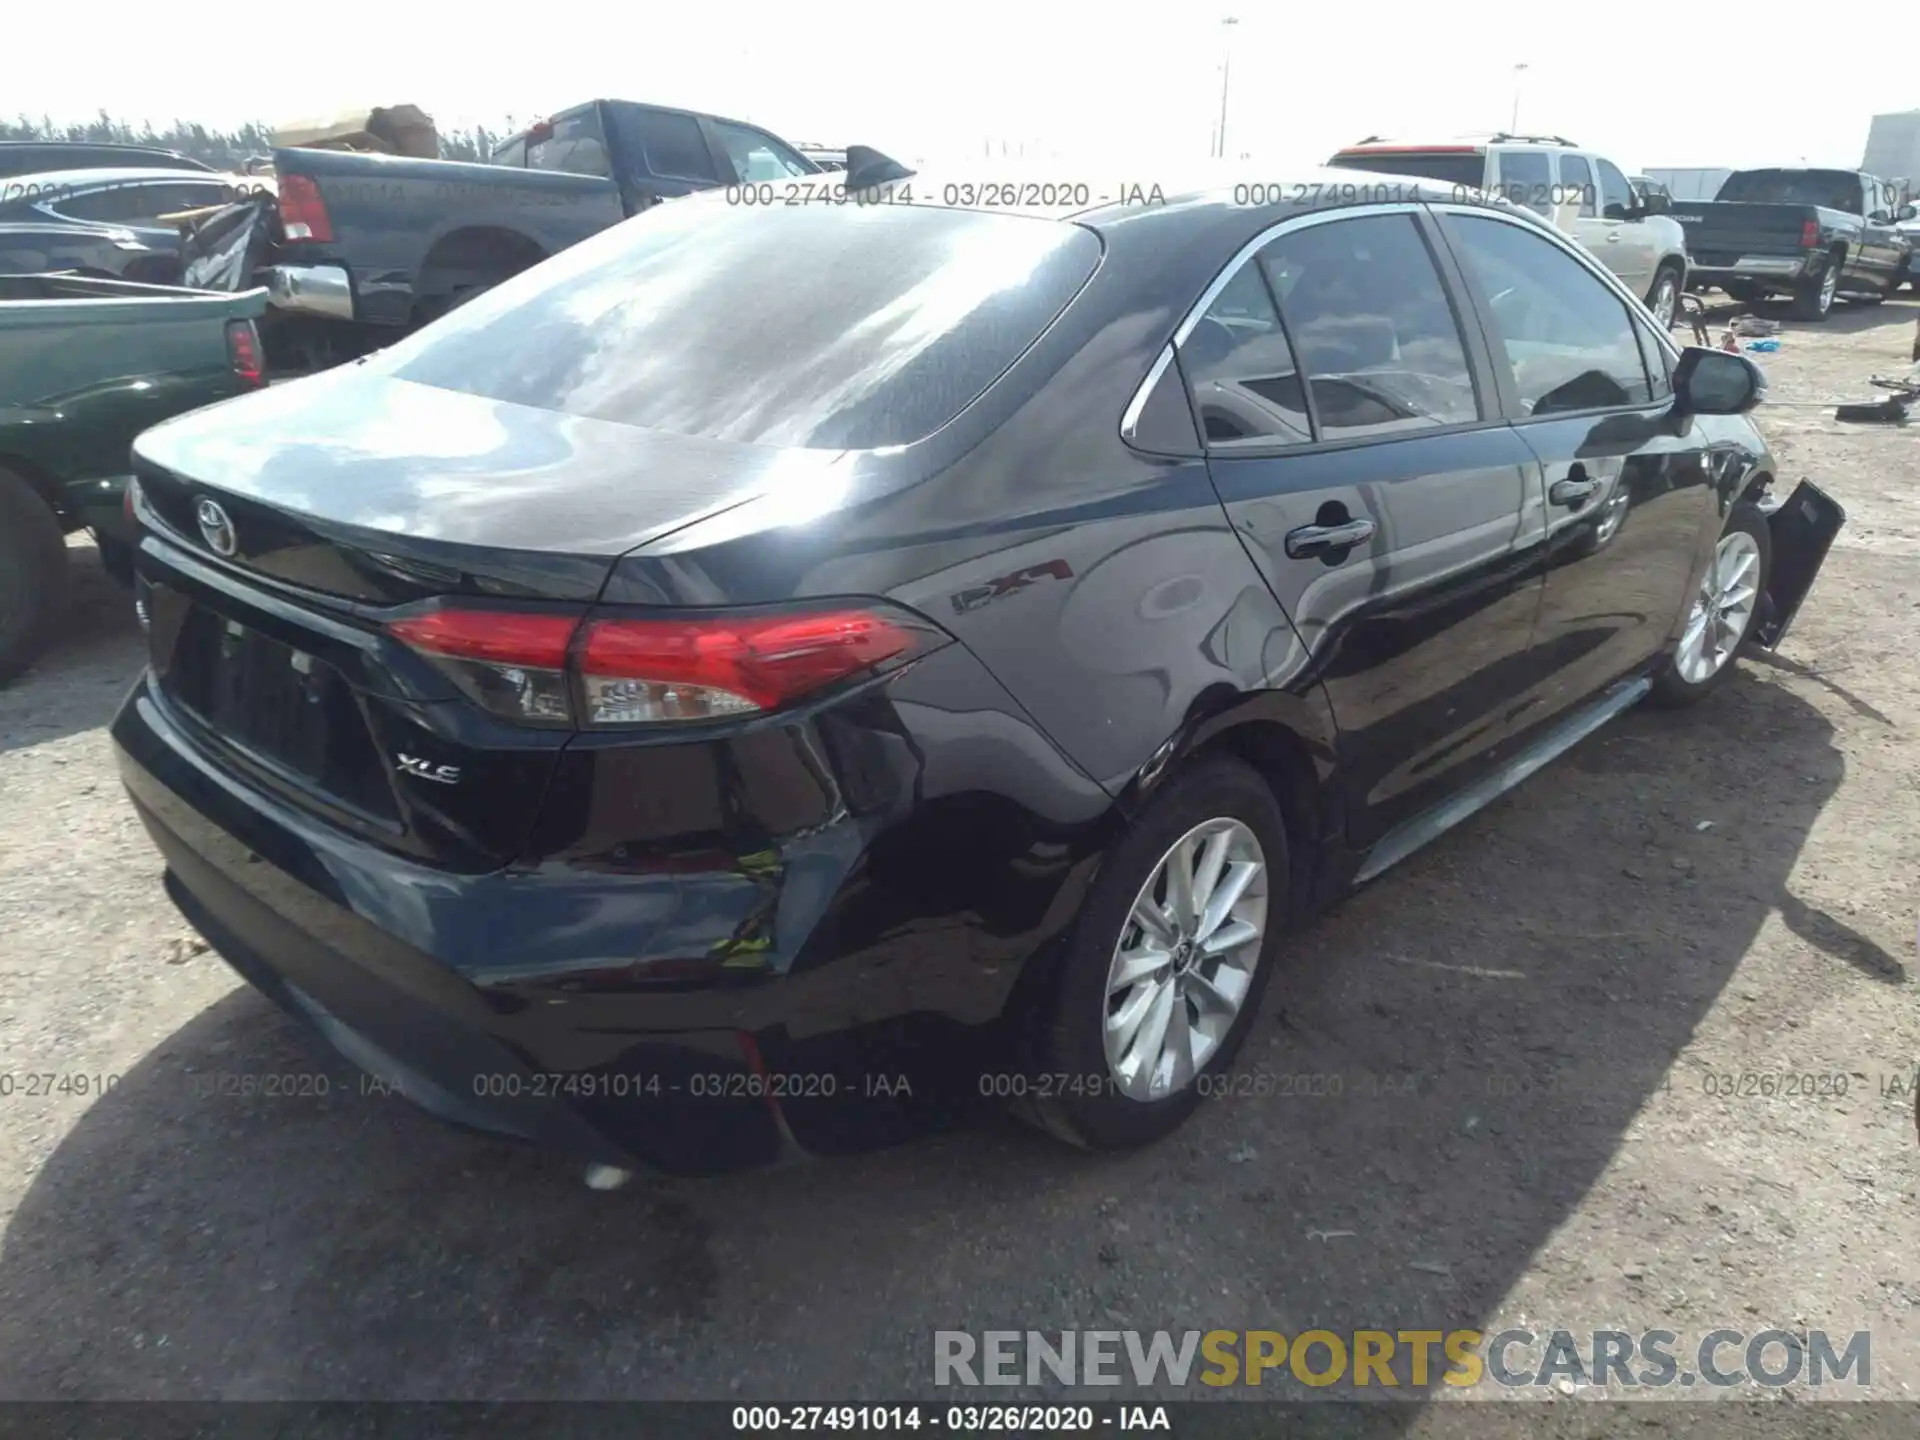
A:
(322, 290)
(688, 1022)
(1759, 267)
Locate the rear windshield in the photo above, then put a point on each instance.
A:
(1450, 169)
(840, 327)
(1835, 189)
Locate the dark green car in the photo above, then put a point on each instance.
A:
(86, 365)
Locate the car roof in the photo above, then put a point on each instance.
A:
(105, 176)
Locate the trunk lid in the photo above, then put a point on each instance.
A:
(289, 532)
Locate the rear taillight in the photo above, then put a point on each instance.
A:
(1810, 235)
(618, 671)
(510, 663)
(243, 350)
(303, 214)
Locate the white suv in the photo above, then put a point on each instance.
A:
(1585, 194)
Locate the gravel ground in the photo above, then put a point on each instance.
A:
(1529, 1024)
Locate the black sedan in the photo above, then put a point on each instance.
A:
(108, 221)
(773, 675)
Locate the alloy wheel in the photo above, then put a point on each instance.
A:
(1185, 960)
(1665, 296)
(1722, 610)
(1829, 285)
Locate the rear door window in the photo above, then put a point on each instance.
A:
(1241, 372)
(576, 146)
(833, 327)
(1526, 178)
(1370, 320)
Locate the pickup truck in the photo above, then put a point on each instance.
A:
(86, 364)
(1810, 234)
(386, 243)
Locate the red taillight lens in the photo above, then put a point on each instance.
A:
(505, 661)
(1810, 235)
(637, 672)
(243, 351)
(652, 671)
(303, 214)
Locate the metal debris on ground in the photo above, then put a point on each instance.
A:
(1753, 326)
(1894, 410)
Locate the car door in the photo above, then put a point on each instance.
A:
(673, 155)
(1629, 247)
(1355, 440)
(1580, 194)
(1627, 484)
(1883, 244)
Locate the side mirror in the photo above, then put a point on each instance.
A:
(1656, 204)
(1717, 382)
(1906, 212)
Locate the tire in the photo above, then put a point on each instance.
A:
(1813, 300)
(1666, 285)
(1228, 798)
(33, 572)
(1697, 671)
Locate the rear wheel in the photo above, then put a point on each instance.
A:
(1723, 611)
(33, 572)
(1168, 961)
(1813, 299)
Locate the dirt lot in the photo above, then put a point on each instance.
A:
(1531, 1024)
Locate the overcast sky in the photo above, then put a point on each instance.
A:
(1109, 82)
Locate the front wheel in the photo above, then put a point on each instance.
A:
(1723, 611)
(1664, 297)
(1168, 960)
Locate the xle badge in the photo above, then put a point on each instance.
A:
(426, 770)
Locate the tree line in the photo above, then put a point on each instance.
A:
(225, 149)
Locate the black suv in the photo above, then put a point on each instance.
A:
(774, 674)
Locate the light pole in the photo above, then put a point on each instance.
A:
(1226, 72)
(1513, 125)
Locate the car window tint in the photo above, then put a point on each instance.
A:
(514, 154)
(1527, 179)
(825, 327)
(116, 204)
(1576, 180)
(1448, 167)
(674, 147)
(576, 147)
(1568, 339)
(1616, 196)
(1370, 320)
(1241, 371)
(757, 156)
(138, 203)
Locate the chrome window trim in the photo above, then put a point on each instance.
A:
(1130, 421)
(1637, 309)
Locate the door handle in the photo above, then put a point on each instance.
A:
(1575, 490)
(1312, 541)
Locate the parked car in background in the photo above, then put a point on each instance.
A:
(1810, 234)
(711, 690)
(825, 158)
(86, 365)
(33, 247)
(385, 243)
(33, 157)
(1698, 182)
(1582, 192)
(136, 203)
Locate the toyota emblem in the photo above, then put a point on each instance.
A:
(215, 528)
